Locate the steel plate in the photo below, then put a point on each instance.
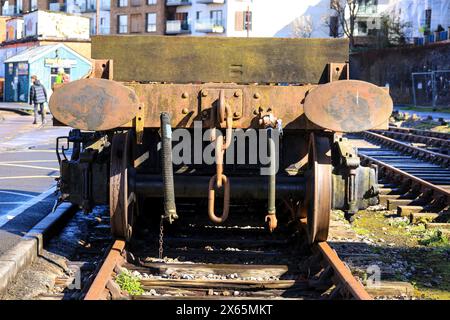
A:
(94, 104)
(348, 106)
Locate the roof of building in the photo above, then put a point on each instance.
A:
(32, 54)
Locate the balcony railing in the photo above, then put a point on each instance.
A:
(102, 30)
(55, 6)
(10, 11)
(178, 2)
(90, 7)
(209, 26)
(177, 26)
(211, 1)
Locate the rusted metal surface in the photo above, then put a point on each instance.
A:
(189, 103)
(420, 132)
(99, 284)
(219, 59)
(94, 104)
(443, 144)
(348, 106)
(196, 102)
(121, 197)
(317, 204)
(354, 287)
(101, 69)
(436, 190)
(428, 155)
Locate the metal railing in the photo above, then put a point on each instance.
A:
(211, 1)
(209, 25)
(177, 26)
(102, 30)
(10, 11)
(431, 88)
(55, 6)
(178, 2)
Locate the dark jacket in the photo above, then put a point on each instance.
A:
(38, 94)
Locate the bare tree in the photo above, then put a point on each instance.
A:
(393, 30)
(302, 27)
(346, 12)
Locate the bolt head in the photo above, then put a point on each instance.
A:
(185, 95)
(237, 94)
(185, 111)
(256, 95)
(204, 93)
(237, 114)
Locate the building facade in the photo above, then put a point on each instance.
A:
(42, 27)
(43, 61)
(85, 8)
(137, 17)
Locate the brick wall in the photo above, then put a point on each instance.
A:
(394, 67)
(137, 10)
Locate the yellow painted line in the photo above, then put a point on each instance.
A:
(26, 177)
(28, 166)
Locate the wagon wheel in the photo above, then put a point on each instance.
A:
(317, 205)
(122, 199)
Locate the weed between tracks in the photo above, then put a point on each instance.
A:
(416, 254)
(129, 283)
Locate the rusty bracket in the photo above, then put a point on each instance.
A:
(347, 153)
(210, 99)
(139, 123)
(338, 71)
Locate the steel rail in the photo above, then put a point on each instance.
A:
(104, 274)
(343, 273)
(421, 132)
(415, 151)
(432, 141)
(437, 189)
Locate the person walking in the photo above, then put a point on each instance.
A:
(38, 96)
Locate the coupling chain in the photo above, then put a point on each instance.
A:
(161, 235)
(219, 180)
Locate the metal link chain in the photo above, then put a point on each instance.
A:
(161, 235)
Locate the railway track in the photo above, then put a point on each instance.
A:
(414, 181)
(430, 140)
(232, 262)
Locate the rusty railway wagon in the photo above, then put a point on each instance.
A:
(293, 95)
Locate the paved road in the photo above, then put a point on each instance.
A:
(28, 162)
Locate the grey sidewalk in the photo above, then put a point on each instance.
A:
(19, 107)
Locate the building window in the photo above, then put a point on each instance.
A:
(243, 21)
(367, 6)
(122, 3)
(151, 22)
(33, 5)
(334, 26)
(216, 17)
(248, 20)
(151, 2)
(197, 15)
(135, 3)
(122, 24)
(362, 27)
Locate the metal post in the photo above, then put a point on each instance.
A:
(433, 88)
(414, 90)
(97, 17)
